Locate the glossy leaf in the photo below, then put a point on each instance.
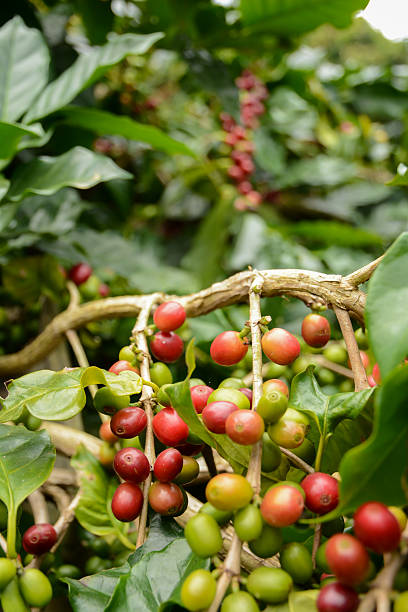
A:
(386, 311)
(325, 412)
(24, 61)
(102, 122)
(87, 69)
(56, 396)
(92, 593)
(94, 509)
(290, 17)
(26, 461)
(78, 167)
(145, 587)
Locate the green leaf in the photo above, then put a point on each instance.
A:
(101, 122)
(94, 511)
(27, 278)
(325, 412)
(317, 171)
(162, 531)
(87, 69)
(78, 167)
(374, 469)
(156, 579)
(57, 396)
(10, 136)
(24, 61)
(236, 455)
(401, 178)
(386, 311)
(298, 16)
(190, 358)
(4, 186)
(331, 233)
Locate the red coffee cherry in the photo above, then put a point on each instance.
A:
(364, 358)
(106, 434)
(199, 396)
(166, 498)
(169, 427)
(104, 290)
(228, 348)
(39, 538)
(337, 597)
(127, 502)
(168, 465)
(169, 316)
(215, 415)
(248, 393)
(166, 346)
(371, 381)
(282, 506)
(322, 492)
(131, 464)
(275, 384)
(280, 346)
(244, 427)
(347, 558)
(128, 422)
(122, 366)
(376, 373)
(315, 330)
(376, 527)
(80, 273)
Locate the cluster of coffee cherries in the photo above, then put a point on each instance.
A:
(90, 285)
(237, 137)
(175, 464)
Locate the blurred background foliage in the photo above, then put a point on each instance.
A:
(333, 134)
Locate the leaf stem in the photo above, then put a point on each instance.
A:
(11, 531)
(319, 454)
(360, 375)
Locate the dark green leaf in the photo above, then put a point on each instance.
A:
(57, 396)
(78, 167)
(10, 136)
(92, 593)
(331, 233)
(101, 122)
(96, 29)
(386, 311)
(162, 531)
(24, 61)
(87, 69)
(27, 278)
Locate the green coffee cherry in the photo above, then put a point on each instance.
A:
(268, 543)
(362, 339)
(305, 451)
(35, 588)
(269, 584)
(198, 590)
(275, 370)
(401, 603)
(7, 572)
(203, 535)
(296, 560)
(160, 374)
(189, 471)
(90, 288)
(221, 516)
(325, 376)
(272, 406)
(336, 353)
(321, 560)
(231, 383)
(95, 564)
(248, 523)
(68, 571)
(11, 600)
(32, 423)
(271, 455)
(239, 602)
(126, 353)
(401, 579)
(196, 381)
(107, 402)
(230, 395)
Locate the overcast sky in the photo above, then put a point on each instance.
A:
(388, 16)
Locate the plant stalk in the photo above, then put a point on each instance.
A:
(360, 375)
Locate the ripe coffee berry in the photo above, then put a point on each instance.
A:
(131, 464)
(107, 434)
(127, 502)
(228, 348)
(166, 498)
(199, 396)
(169, 427)
(347, 558)
(215, 415)
(280, 346)
(376, 527)
(247, 392)
(337, 597)
(80, 273)
(315, 330)
(39, 538)
(244, 427)
(275, 384)
(168, 465)
(122, 366)
(282, 506)
(376, 373)
(167, 346)
(322, 492)
(169, 316)
(128, 422)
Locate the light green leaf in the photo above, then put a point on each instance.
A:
(10, 136)
(94, 511)
(78, 167)
(4, 186)
(288, 17)
(24, 61)
(57, 396)
(87, 69)
(26, 461)
(386, 311)
(101, 122)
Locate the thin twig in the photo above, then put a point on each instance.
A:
(360, 375)
(382, 584)
(316, 541)
(208, 456)
(297, 460)
(62, 476)
(65, 518)
(139, 336)
(60, 497)
(39, 507)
